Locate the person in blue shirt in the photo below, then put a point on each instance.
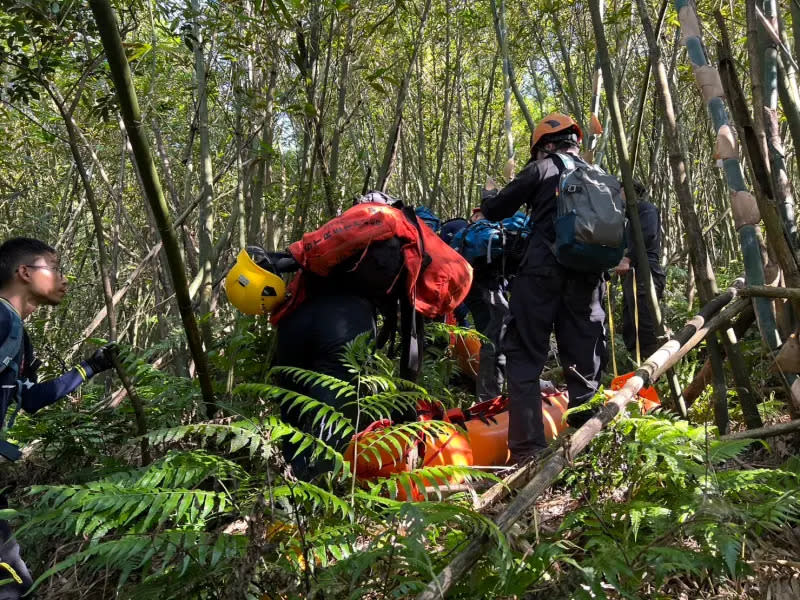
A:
(30, 276)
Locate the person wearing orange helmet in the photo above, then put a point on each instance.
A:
(547, 296)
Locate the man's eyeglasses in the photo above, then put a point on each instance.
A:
(59, 269)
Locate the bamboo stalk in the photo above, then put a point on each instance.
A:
(129, 106)
(744, 205)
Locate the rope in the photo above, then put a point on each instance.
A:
(636, 318)
(611, 327)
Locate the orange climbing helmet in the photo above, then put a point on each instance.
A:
(556, 126)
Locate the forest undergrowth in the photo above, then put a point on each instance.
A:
(656, 508)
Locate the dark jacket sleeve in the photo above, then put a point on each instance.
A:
(507, 201)
(651, 233)
(36, 396)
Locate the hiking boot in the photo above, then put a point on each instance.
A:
(520, 460)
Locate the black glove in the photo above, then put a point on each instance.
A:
(103, 358)
(486, 194)
(274, 262)
(261, 258)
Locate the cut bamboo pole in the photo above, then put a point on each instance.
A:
(687, 338)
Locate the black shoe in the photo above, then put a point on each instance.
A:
(520, 460)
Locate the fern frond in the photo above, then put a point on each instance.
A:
(95, 509)
(383, 404)
(178, 550)
(720, 451)
(309, 378)
(302, 404)
(179, 469)
(314, 497)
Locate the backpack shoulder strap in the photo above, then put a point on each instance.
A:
(11, 350)
(409, 213)
(11, 347)
(567, 161)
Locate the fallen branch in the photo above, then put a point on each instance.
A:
(765, 432)
(687, 338)
(768, 291)
(501, 490)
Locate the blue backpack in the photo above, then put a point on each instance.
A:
(494, 243)
(11, 350)
(426, 215)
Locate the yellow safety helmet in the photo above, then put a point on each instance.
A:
(251, 289)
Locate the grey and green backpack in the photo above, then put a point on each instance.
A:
(590, 217)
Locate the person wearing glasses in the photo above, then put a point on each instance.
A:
(30, 276)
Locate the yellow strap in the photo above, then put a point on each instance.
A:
(636, 319)
(611, 328)
(11, 572)
(82, 372)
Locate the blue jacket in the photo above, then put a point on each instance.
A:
(35, 395)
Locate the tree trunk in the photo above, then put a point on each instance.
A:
(394, 132)
(508, 66)
(758, 163)
(744, 205)
(129, 106)
(343, 79)
(702, 271)
(446, 111)
(777, 160)
(207, 260)
(102, 255)
(472, 191)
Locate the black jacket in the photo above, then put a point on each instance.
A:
(534, 186)
(651, 232)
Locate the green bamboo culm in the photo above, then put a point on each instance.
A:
(777, 155)
(745, 210)
(131, 115)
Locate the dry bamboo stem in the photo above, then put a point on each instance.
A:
(764, 432)
(695, 330)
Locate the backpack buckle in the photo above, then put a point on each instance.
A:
(571, 189)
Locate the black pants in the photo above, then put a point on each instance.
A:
(313, 337)
(545, 299)
(648, 338)
(10, 554)
(489, 308)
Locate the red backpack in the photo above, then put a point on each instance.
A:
(437, 277)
